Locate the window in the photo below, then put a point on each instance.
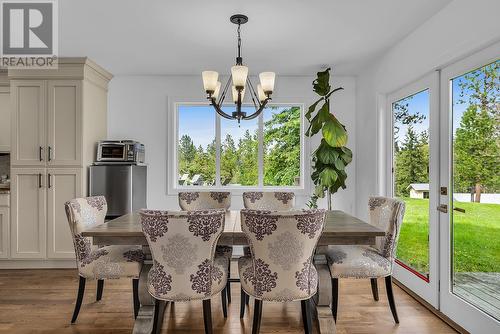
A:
(212, 151)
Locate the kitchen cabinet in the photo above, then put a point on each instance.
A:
(58, 116)
(62, 185)
(28, 213)
(4, 225)
(5, 111)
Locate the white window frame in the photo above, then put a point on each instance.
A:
(173, 186)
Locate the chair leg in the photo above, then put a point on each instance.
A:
(228, 284)
(79, 299)
(257, 316)
(224, 302)
(306, 315)
(373, 281)
(335, 297)
(135, 293)
(156, 318)
(390, 297)
(207, 316)
(242, 303)
(100, 286)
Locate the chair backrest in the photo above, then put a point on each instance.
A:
(182, 245)
(204, 200)
(82, 214)
(282, 246)
(270, 200)
(387, 214)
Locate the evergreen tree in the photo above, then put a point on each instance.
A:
(228, 161)
(411, 163)
(248, 160)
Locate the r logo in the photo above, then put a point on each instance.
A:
(28, 28)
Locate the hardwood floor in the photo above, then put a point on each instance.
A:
(42, 301)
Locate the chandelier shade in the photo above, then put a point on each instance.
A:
(238, 82)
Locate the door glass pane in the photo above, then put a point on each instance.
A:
(196, 151)
(476, 188)
(282, 146)
(239, 162)
(411, 179)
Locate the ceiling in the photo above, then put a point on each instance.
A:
(290, 37)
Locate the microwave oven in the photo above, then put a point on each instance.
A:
(124, 151)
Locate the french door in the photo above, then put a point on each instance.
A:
(470, 211)
(414, 178)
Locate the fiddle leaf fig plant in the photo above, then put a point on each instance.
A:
(332, 156)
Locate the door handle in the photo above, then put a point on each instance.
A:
(40, 153)
(39, 180)
(459, 209)
(49, 184)
(443, 208)
(49, 154)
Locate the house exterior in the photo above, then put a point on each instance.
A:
(419, 190)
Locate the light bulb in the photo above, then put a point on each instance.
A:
(209, 80)
(239, 74)
(235, 94)
(267, 81)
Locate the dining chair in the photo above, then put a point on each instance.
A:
(280, 268)
(209, 200)
(186, 266)
(109, 262)
(269, 200)
(371, 262)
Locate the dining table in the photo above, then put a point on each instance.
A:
(340, 228)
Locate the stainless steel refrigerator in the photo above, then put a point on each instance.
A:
(124, 187)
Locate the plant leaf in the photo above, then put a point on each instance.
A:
(334, 132)
(339, 164)
(321, 85)
(324, 113)
(333, 91)
(328, 177)
(326, 154)
(346, 155)
(311, 109)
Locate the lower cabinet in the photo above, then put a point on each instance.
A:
(4, 231)
(39, 228)
(28, 214)
(63, 184)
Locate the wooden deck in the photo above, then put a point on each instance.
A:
(480, 289)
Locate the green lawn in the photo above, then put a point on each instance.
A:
(476, 237)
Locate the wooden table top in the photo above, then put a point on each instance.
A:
(341, 228)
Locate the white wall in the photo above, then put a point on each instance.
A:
(138, 107)
(459, 29)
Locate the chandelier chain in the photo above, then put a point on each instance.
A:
(239, 43)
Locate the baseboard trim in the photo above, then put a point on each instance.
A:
(431, 308)
(37, 264)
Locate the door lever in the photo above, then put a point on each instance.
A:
(443, 208)
(459, 209)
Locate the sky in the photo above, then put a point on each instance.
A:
(419, 102)
(198, 121)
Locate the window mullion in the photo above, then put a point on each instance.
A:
(217, 150)
(260, 151)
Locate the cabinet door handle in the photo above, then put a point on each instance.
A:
(49, 154)
(39, 180)
(40, 153)
(49, 184)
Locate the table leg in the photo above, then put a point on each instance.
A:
(322, 300)
(144, 321)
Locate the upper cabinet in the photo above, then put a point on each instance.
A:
(4, 113)
(58, 115)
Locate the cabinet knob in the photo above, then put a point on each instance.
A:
(39, 180)
(40, 153)
(49, 154)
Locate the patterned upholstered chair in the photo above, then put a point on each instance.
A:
(279, 200)
(209, 200)
(370, 261)
(186, 265)
(280, 267)
(99, 263)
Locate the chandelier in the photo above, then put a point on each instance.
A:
(240, 83)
